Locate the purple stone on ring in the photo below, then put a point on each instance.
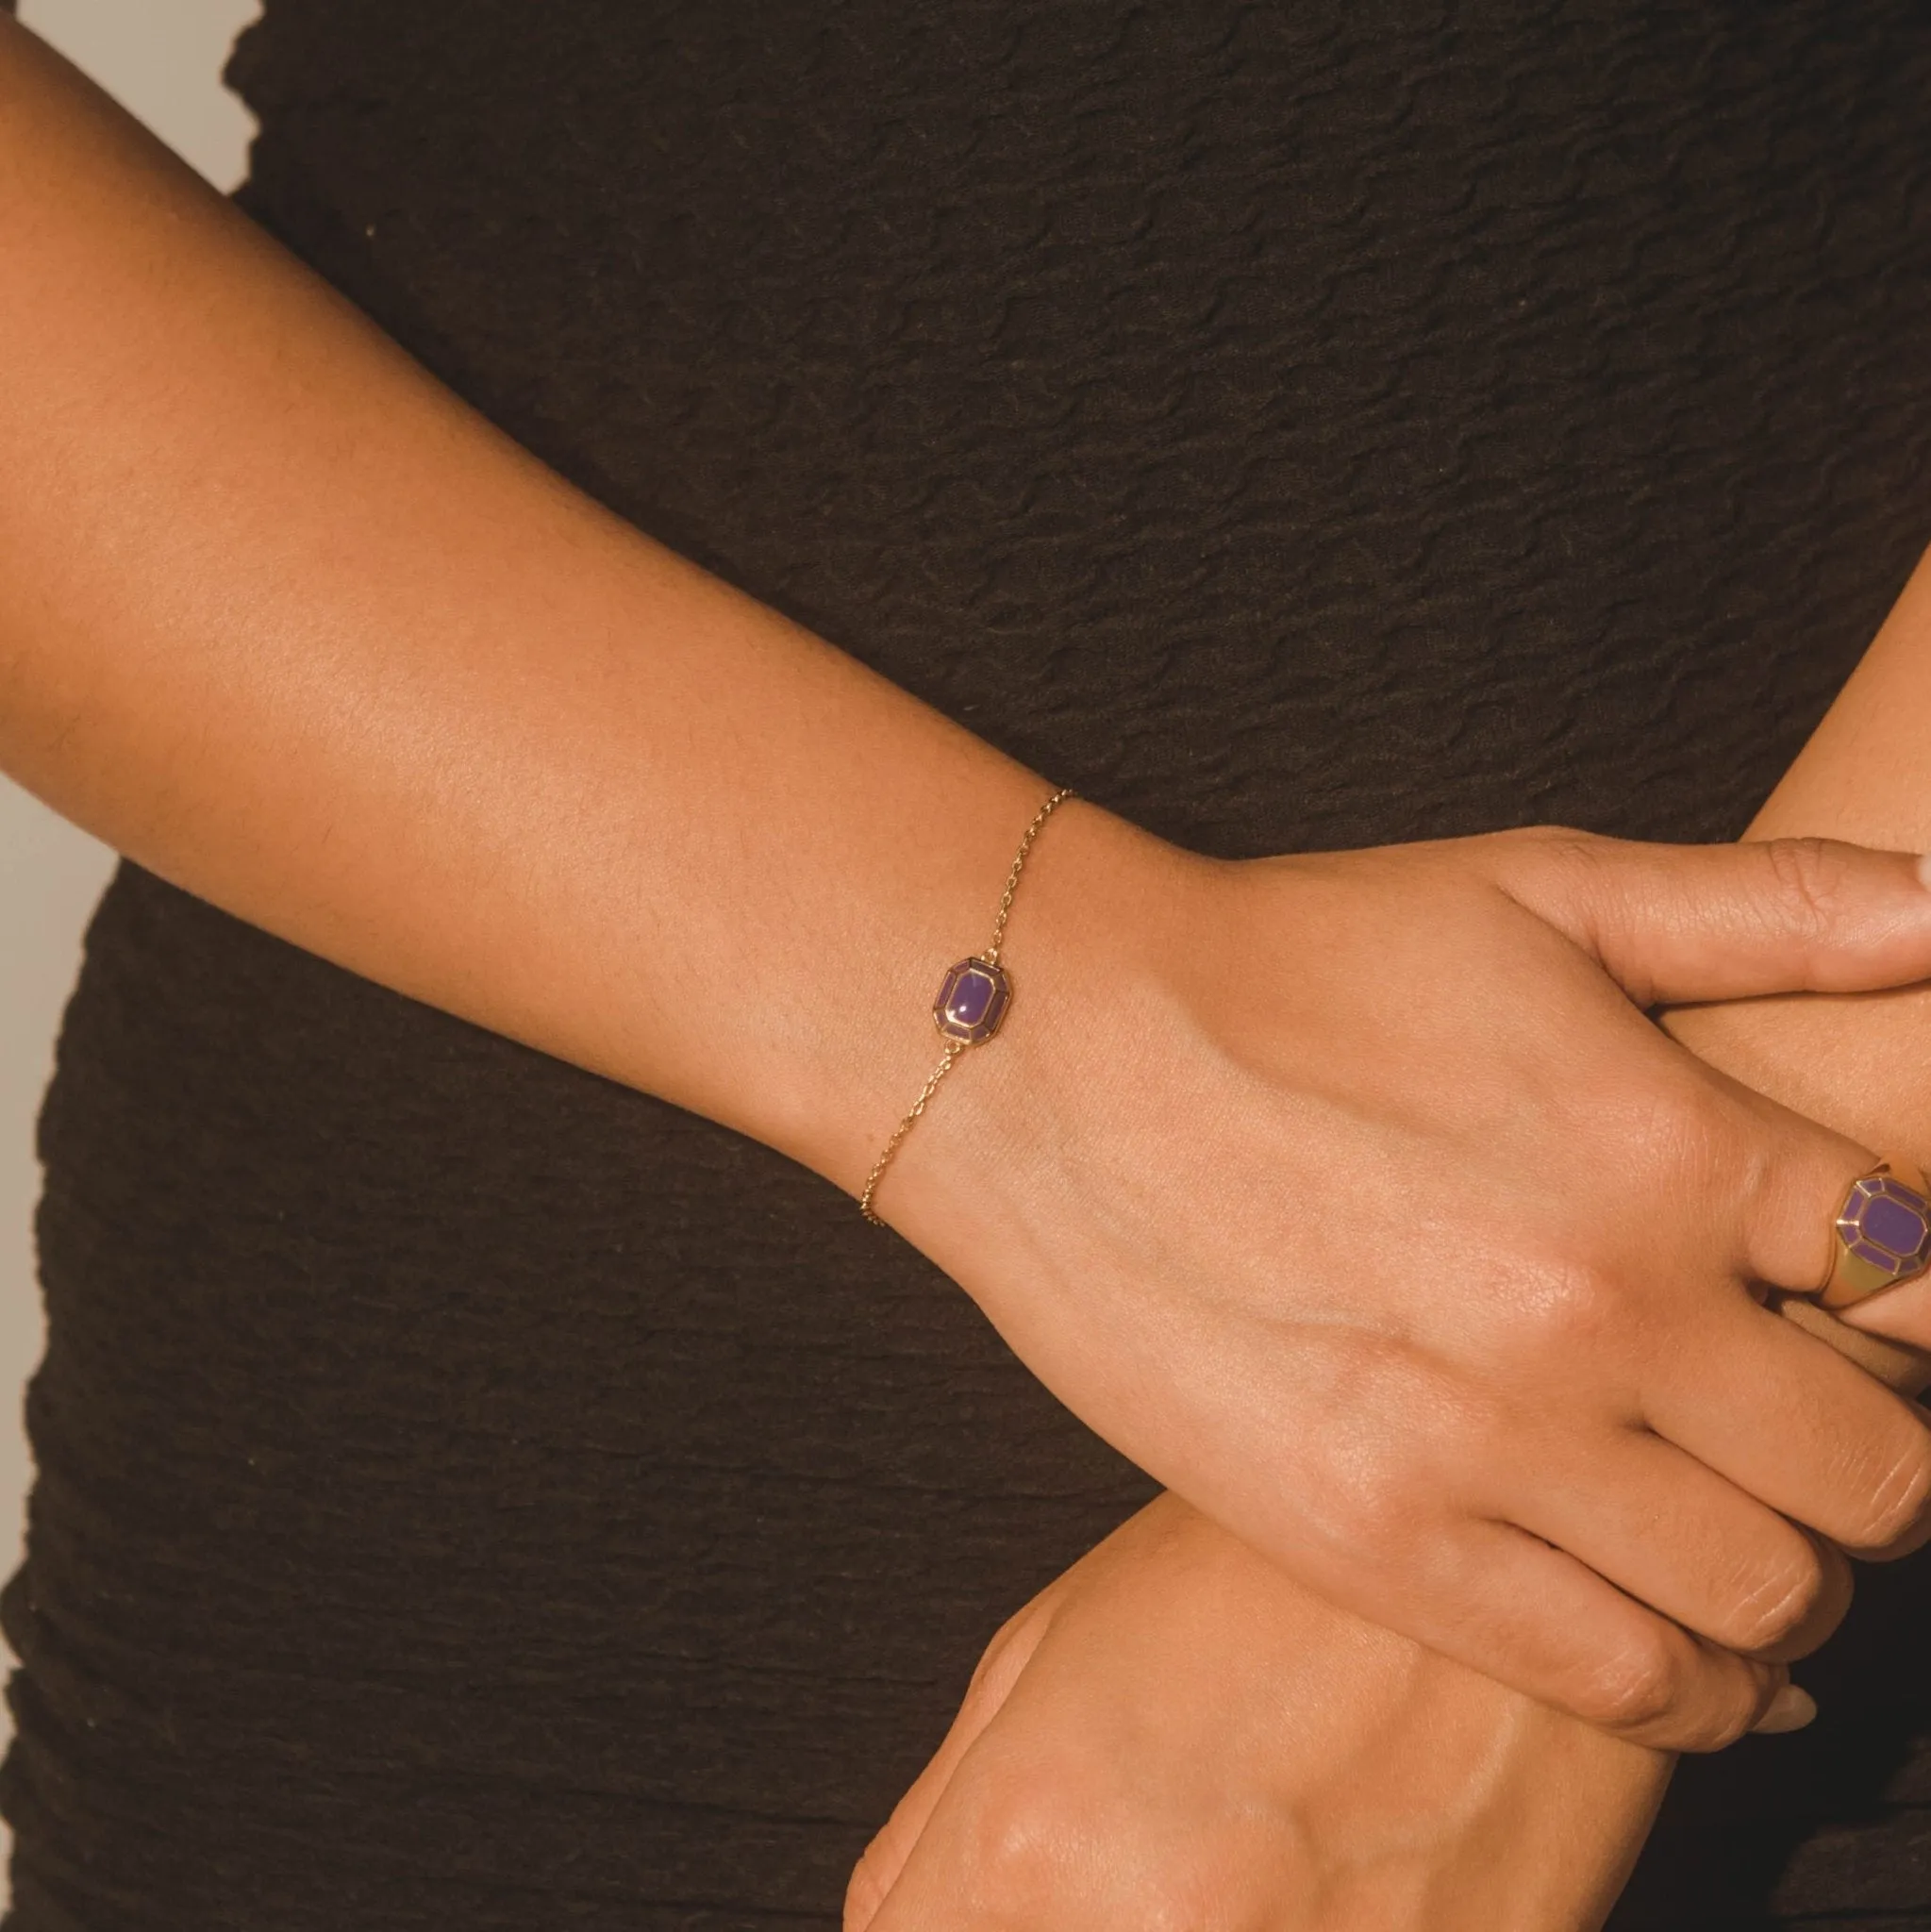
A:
(972, 1001)
(1887, 1225)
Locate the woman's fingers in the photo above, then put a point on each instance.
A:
(1758, 1584)
(1682, 923)
(1579, 1643)
(1900, 1314)
(1794, 1425)
(1899, 1356)
(1789, 1420)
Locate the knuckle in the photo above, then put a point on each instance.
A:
(1571, 1310)
(1375, 1519)
(1719, 1728)
(1812, 882)
(1564, 842)
(1543, 840)
(1551, 857)
(1380, 1486)
(1054, 1837)
(1584, 1299)
(1895, 1507)
(1023, 1835)
(1666, 1138)
(1376, 1507)
(1687, 1134)
(1785, 1600)
(1634, 1689)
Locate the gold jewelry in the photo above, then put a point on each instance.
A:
(1881, 1234)
(974, 999)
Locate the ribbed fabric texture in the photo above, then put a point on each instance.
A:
(472, 1494)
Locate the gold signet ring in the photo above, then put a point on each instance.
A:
(1881, 1236)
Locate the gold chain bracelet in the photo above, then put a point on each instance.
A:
(972, 1005)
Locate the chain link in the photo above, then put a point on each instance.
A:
(905, 1127)
(991, 956)
(954, 1048)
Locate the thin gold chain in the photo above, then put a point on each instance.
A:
(991, 956)
(955, 1047)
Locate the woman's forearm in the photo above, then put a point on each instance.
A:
(290, 625)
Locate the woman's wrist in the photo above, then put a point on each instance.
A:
(1099, 929)
(1174, 1719)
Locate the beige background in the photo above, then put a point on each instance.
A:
(161, 59)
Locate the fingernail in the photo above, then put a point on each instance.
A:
(1790, 1710)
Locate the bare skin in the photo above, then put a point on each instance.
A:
(1175, 1734)
(289, 625)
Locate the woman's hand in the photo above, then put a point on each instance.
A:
(1356, 1199)
(1175, 1734)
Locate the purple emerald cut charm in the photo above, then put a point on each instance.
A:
(972, 1001)
(1887, 1225)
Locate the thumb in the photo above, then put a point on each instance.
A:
(1672, 923)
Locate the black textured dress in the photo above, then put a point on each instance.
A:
(472, 1494)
